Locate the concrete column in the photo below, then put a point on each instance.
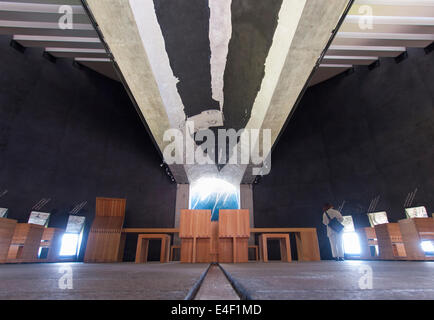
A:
(182, 198)
(246, 202)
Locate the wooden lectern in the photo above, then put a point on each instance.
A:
(233, 236)
(7, 228)
(414, 231)
(25, 243)
(195, 235)
(390, 243)
(104, 240)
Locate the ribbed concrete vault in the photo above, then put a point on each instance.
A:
(228, 63)
(246, 61)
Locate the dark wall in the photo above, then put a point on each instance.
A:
(72, 135)
(351, 139)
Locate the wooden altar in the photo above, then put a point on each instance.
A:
(195, 234)
(233, 236)
(203, 240)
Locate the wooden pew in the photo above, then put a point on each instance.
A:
(233, 236)
(25, 243)
(104, 242)
(414, 231)
(52, 240)
(7, 228)
(390, 243)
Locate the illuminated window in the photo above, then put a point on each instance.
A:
(69, 244)
(40, 218)
(214, 194)
(350, 237)
(416, 212)
(428, 247)
(377, 218)
(3, 213)
(71, 240)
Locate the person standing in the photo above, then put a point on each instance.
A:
(335, 237)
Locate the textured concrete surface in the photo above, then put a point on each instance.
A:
(216, 286)
(170, 281)
(305, 280)
(117, 23)
(335, 280)
(272, 50)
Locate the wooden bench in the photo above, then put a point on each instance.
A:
(143, 246)
(285, 248)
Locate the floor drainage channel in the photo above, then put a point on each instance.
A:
(214, 284)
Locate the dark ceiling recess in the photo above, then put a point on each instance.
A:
(253, 26)
(185, 28)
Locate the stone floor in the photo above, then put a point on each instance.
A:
(216, 287)
(173, 281)
(391, 280)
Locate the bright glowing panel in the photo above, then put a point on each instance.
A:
(416, 212)
(377, 218)
(351, 243)
(348, 224)
(214, 194)
(70, 244)
(427, 246)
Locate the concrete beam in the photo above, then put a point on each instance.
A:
(117, 24)
(292, 58)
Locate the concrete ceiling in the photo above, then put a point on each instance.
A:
(35, 23)
(243, 59)
(239, 63)
(396, 26)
